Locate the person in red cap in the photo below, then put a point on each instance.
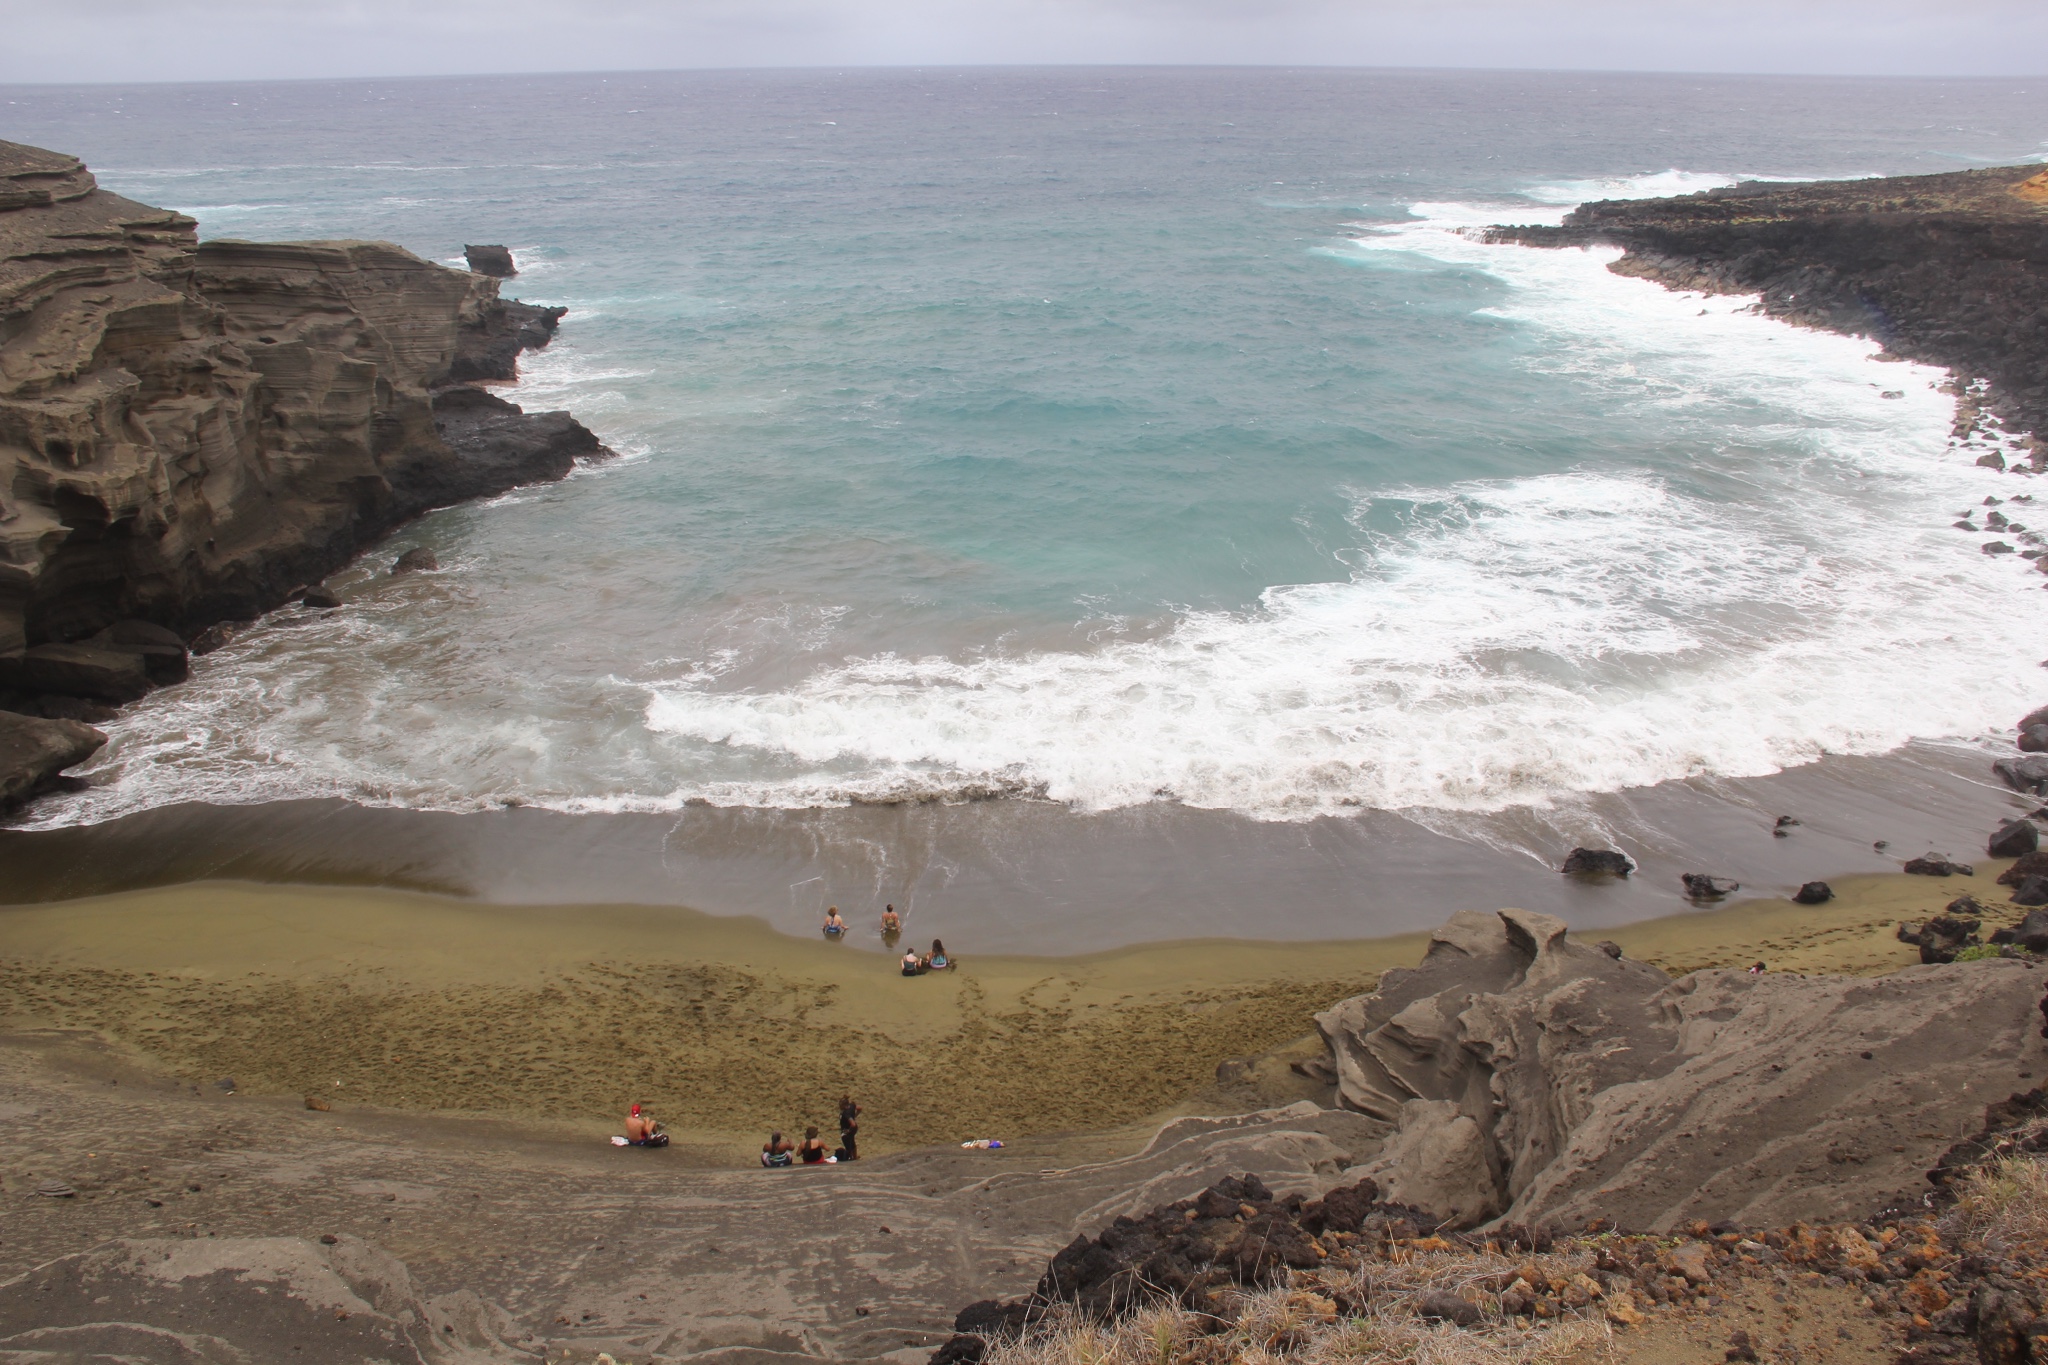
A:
(643, 1131)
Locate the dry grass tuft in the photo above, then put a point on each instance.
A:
(2003, 1204)
(1366, 1316)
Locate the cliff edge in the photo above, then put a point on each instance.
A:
(1950, 269)
(194, 433)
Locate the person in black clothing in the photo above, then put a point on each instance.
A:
(849, 1130)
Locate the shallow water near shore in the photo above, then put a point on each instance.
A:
(1140, 470)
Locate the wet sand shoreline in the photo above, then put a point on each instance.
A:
(1016, 876)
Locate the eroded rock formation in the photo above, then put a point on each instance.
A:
(192, 433)
(1530, 1078)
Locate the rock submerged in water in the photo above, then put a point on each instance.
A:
(1702, 887)
(416, 560)
(1597, 862)
(2027, 773)
(34, 750)
(2014, 839)
(1813, 893)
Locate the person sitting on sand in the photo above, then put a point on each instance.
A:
(833, 924)
(813, 1149)
(912, 963)
(892, 923)
(643, 1131)
(776, 1152)
(938, 961)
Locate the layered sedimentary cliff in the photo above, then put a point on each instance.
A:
(1529, 1077)
(192, 433)
(1948, 269)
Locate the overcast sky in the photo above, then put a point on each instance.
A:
(142, 40)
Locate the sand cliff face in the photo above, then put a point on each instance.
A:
(1947, 269)
(189, 433)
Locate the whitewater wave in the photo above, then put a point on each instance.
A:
(1498, 643)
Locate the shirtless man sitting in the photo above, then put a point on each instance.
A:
(643, 1131)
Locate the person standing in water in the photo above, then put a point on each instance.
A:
(892, 924)
(834, 925)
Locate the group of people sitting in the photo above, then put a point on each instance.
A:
(811, 1151)
(914, 963)
(917, 964)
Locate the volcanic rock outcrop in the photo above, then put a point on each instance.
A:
(195, 432)
(1947, 269)
(1526, 1077)
(243, 1298)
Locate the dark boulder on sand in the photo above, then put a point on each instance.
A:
(2031, 891)
(2030, 865)
(1597, 862)
(1942, 937)
(1936, 865)
(2031, 933)
(1813, 893)
(2014, 839)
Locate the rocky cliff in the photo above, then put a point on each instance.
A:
(193, 433)
(1531, 1078)
(1948, 269)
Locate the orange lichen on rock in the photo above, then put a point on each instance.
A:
(2034, 189)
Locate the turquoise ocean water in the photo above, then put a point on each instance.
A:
(1110, 438)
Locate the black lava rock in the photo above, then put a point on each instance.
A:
(2014, 839)
(1600, 862)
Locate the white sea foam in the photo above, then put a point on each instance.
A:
(1508, 642)
(1519, 640)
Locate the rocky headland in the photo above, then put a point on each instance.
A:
(1949, 270)
(192, 434)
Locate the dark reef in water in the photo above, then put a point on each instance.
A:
(193, 433)
(1951, 270)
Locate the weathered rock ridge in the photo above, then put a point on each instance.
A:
(194, 433)
(191, 432)
(1527, 1078)
(1947, 269)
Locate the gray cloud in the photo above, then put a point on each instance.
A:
(133, 40)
